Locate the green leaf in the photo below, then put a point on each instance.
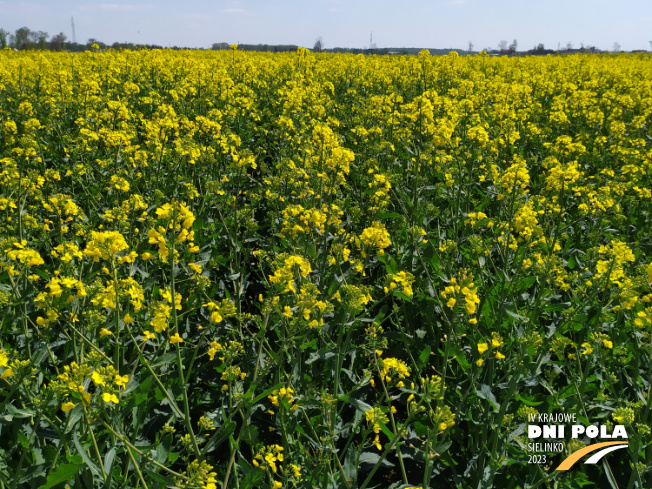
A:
(165, 359)
(350, 467)
(165, 481)
(357, 403)
(19, 413)
(310, 344)
(517, 316)
(91, 465)
(62, 473)
(252, 478)
(528, 402)
(423, 356)
(267, 392)
(108, 464)
(461, 359)
(525, 284)
(225, 431)
(386, 430)
(373, 458)
(163, 450)
(484, 392)
(23, 440)
(401, 295)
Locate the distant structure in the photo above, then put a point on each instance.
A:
(372, 46)
(72, 23)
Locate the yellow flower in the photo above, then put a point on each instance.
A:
(175, 338)
(377, 443)
(107, 397)
(376, 236)
(97, 378)
(499, 355)
(67, 406)
(607, 344)
(482, 347)
(105, 332)
(121, 380)
(4, 359)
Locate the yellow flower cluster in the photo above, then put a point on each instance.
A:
(284, 396)
(197, 475)
(402, 279)
(225, 309)
(377, 237)
(395, 368)
(494, 344)
(376, 415)
(287, 267)
(70, 385)
(28, 257)
(108, 245)
(615, 255)
(268, 456)
(463, 289)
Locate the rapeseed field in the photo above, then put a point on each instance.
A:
(247, 270)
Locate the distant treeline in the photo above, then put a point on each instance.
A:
(278, 48)
(25, 38)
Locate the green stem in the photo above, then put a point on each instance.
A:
(97, 450)
(144, 361)
(184, 388)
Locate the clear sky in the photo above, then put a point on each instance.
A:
(342, 23)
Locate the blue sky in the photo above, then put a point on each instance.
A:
(425, 24)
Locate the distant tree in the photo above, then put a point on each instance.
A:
(616, 48)
(569, 46)
(513, 47)
(57, 42)
(220, 45)
(319, 45)
(502, 46)
(20, 39)
(39, 39)
(4, 38)
(470, 47)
